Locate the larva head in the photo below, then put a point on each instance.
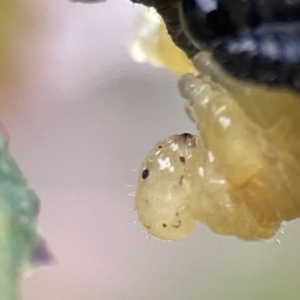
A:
(164, 188)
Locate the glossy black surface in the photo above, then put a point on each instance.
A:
(252, 39)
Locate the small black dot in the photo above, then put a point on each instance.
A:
(145, 174)
(186, 135)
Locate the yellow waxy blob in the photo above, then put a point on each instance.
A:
(151, 43)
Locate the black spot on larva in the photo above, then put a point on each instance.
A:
(164, 225)
(159, 146)
(182, 159)
(145, 174)
(177, 214)
(186, 135)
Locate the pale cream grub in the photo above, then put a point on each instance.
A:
(240, 175)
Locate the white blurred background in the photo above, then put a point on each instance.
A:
(81, 117)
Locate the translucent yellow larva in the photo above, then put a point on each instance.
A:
(240, 175)
(164, 188)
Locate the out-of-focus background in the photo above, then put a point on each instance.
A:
(81, 117)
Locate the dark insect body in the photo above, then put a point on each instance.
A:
(257, 40)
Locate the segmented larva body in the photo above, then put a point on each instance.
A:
(257, 40)
(240, 176)
(165, 188)
(268, 54)
(234, 177)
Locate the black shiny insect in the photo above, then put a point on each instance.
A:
(257, 40)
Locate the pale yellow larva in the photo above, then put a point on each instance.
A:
(164, 188)
(180, 185)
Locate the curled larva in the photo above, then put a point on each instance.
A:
(268, 54)
(251, 39)
(164, 188)
(260, 165)
(180, 184)
(240, 176)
